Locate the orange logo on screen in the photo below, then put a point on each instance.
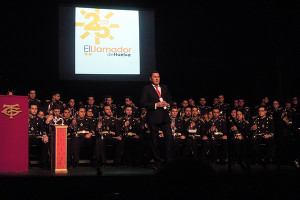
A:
(11, 110)
(100, 27)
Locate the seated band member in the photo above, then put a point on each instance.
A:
(135, 109)
(37, 135)
(262, 133)
(197, 140)
(108, 132)
(130, 130)
(239, 131)
(217, 132)
(177, 133)
(83, 131)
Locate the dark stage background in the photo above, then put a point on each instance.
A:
(248, 49)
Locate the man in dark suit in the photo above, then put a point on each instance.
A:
(157, 98)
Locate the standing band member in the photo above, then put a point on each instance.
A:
(156, 98)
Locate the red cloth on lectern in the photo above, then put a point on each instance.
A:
(13, 134)
(61, 145)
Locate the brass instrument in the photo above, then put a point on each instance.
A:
(173, 128)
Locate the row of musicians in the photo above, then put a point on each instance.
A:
(198, 137)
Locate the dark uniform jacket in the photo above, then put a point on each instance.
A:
(94, 108)
(49, 105)
(133, 127)
(264, 125)
(36, 126)
(243, 128)
(111, 125)
(200, 126)
(178, 122)
(83, 126)
(34, 102)
(204, 109)
(220, 124)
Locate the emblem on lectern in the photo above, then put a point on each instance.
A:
(11, 110)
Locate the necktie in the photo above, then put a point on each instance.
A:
(157, 91)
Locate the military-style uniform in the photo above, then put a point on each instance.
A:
(216, 137)
(204, 109)
(267, 107)
(223, 108)
(195, 144)
(131, 143)
(114, 109)
(95, 109)
(239, 145)
(178, 131)
(265, 126)
(49, 105)
(135, 111)
(82, 127)
(73, 111)
(34, 102)
(146, 148)
(36, 130)
(285, 136)
(107, 135)
(246, 111)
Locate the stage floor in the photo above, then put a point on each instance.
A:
(144, 183)
(149, 171)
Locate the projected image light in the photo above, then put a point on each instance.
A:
(106, 41)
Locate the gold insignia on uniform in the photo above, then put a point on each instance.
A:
(11, 110)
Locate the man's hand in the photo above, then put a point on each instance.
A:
(182, 137)
(267, 136)
(224, 137)
(205, 138)
(254, 127)
(49, 118)
(45, 138)
(240, 137)
(119, 138)
(136, 137)
(88, 135)
(234, 128)
(161, 104)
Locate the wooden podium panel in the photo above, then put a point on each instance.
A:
(13, 133)
(59, 149)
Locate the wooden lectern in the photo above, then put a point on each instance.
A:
(59, 149)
